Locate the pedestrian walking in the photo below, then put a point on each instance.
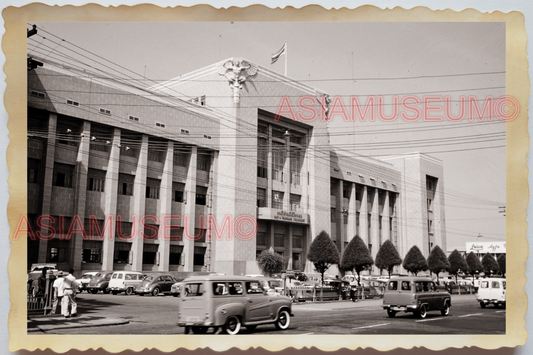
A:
(41, 282)
(57, 292)
(353, 291)
(68, 303)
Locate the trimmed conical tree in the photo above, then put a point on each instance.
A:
(437, 261)
(269, 262)
(356, 257)
(414, 261)
(502, 264)
(457, 264)
(323, 253)
(474, 265)
(489, 264)
(387, 257)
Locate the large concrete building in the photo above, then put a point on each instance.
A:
(203, 172)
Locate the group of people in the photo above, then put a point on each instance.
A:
(64, 291)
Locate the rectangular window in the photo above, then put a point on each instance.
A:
(370, 248)
(73, 103)
(38, 94)
(152, 188)
(295, 202)
(279, 240)
(159, 124)
(296, 261)
(278, 160)
(175, 255)
(91, 251)
(154, 155)
(33, 170)
(150, 231)
(150, 254)
(96, 180)
(94, 227)
(199, 256)
(199, 235)
(105, 111)
(345, 193)
(177, 188)
(262, 238)
(357, 223)
(125, 184)
(184, 131)
(297, 241)
(181, 159)
(123, 230)
(63, 175)
(277, 199)
(201, 193)
(261, 197)
(295, 165)
(333, 215)
(203, 162)
(262, 129)
(133, 118)
(345, 216)
(262, 157)
(430, 204)
(122, 253)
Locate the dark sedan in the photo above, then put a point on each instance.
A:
(155, 284)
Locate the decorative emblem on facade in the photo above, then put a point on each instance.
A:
(237, 71)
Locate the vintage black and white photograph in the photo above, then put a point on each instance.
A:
(266, 178)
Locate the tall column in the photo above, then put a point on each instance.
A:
(82, 167)
(211, 191)
(48, 177)
(287, 176)
(350, 227)
(139, 204)
(165, 200)
(363, 216)
(189, 211)
(386, 219)
(374, 237)
(269, 170)
(110, 207)
(339, 218)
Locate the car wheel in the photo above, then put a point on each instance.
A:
(482, 304)
(233, 325)
(422, 313)
(446, 310)
(284, 320)
(129, 291)
(114, 292)
(155, 291)
(251, 328)
(175, 294)
(199, 330)
(94, 291)
(391, 313)
(141, 294)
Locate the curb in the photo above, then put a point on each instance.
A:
(44, 324)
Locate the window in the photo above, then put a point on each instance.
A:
(177, 189)
(198, 258)
(345, 216)
(296, 261)
(201, 193)
(133, 118)
(91, 251)
(194, 289)
(96, 180)
(122, 253)
(235, 288)
(393, 285)
(430, 204)
(262, 157)
(333, 216)
(104, 111)
(38, 94)
(199, 235)
(278, 160)
(406, 286)
(345, 193)
(277, 199)
(73, 103)
(175, 255)
(297, 241)
(253, 287)
(357, 223)
(262, 129)
(184, 131)
(430, 226)
(220, 288)
(150, 254)
(279, 240)
(261, 238)
(125, 184)
(261, 197)
(152, 188)
(94, 227)
(181, 159)
(295, 166)
(203, 162)
(159, 124)
(63, 174)
(33, 170)
(295, 202)
(150, 231)
(154, 155)
(123, 229)
(370, 248)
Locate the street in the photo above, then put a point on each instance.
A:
(158, 315)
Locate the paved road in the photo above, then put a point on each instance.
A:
(158, 315)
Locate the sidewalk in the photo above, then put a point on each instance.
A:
(47, 323)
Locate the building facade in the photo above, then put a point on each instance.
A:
(205, 171)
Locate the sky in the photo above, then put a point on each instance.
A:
(345, 60)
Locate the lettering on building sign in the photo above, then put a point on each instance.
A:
(475, 247)
(289, 216)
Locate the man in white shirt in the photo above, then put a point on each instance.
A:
(57, 292)
(69, 288)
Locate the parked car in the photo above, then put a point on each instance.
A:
(415, 294)
(155, 284)
(491, 291)
(124, 281)
(228, 303)
(36, 271)
(99, 282)
(84, 280)
(175, 289)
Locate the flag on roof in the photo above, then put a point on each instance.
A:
(278, 54)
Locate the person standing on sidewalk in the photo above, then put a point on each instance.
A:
(68, 301)
(353, 291)
(57, 292)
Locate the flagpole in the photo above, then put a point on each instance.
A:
(286, 55)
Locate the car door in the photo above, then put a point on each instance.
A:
(167, 283)
(495, 290)
(258, 306)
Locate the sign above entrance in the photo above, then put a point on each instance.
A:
(282, 216)
(486, 247)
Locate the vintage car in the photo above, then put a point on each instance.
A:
(124, 281)
(99, 282)
(84, 280)
(491, 291)
(229, 302)
(155, 284)
(415, 294)
(175, 289)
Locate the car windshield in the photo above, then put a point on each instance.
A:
(194, 289)
(148, 278)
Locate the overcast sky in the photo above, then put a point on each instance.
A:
(345, 60)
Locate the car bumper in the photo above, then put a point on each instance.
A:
(402, 308)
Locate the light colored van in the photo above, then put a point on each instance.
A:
(124, 281)
(229, 302)
(491, 290)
